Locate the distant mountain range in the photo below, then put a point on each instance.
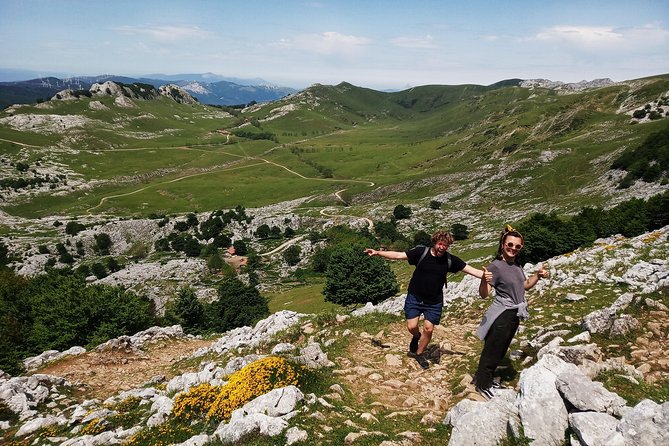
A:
(208, 88)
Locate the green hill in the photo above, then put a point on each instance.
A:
(502, 142)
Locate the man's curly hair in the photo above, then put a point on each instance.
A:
(442, 236)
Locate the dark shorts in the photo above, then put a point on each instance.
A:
(413, 308)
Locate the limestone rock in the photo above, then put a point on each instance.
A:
(587, 395)
(593, 428)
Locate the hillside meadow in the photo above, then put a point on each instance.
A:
(164, 157)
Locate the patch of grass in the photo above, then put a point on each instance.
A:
(634, 393)
(302, 299)
(173, 431)
(6, 414)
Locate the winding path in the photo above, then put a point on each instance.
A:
(283, 246)
(246, 157)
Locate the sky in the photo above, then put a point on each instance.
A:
(382, 45)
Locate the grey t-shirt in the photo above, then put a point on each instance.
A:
(508, 280)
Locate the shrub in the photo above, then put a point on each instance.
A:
(195, 403)
(292, 255)
(401, 212)
(189, 310)
(58, 310)
(263, 231)
(102, 243)
(422, 238)
(434, 204)
(238, 305)
(459, 231)
(354, 278)
(257, 378)
(240, 247)
(387, 232)
(639, 114)
(73, 227)
(99, 270)
(218, 402)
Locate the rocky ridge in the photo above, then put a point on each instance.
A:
(567, 87)
(555, 392)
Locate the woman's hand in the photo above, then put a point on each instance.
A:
(487, 276)
(542, 273)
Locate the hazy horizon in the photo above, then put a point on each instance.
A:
(380, 45)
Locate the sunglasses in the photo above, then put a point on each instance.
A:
(512, 246)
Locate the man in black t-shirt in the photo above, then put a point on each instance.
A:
(425, 294)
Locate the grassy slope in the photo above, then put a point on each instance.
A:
(359, 134)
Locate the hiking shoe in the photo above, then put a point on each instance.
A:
(485, 393)
(422, 361)
(413, 345)
(497, 385)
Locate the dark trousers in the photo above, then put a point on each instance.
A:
(497, 342)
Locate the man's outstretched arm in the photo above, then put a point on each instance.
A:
(392, 255)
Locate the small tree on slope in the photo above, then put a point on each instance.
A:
(353, 278)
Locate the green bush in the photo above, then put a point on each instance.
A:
(102, 243)
(548, 235)
(237, 305)
(459, 231)
(354, 278)
(58, 310)
(74, 228)
(292, 255)
(422, 238)
(401, 212)
(189, 311)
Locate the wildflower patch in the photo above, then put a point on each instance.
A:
(218, 402)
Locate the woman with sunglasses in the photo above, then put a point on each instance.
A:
(502, 318)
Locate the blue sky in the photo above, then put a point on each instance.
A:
(376, 44)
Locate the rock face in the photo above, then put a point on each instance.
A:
(567, 88)
(51, 355)
(124, 94)
(177, 93)
(554, 396)
(267, 415)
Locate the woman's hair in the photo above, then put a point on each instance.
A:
(442, 236)
(508, 231)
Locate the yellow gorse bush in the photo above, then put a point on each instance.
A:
(196, 402)
(218, 402)
(94, 427)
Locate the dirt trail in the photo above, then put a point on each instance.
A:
(103, 374)
(378, 369)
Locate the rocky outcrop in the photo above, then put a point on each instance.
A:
(177, 93)
(38, 361)
(555, 396)
(267, 415)
(567, 88)
(137, 342)
(251, 337)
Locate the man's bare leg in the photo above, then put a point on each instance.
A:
(425, 337)
(412, 326)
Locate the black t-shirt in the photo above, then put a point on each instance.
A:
(429, 277)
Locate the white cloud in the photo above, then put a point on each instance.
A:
(166, 32)
(598, 38)
(423, 42)
(326, 43)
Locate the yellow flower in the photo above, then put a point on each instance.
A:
(218, 402)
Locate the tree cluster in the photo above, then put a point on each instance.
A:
(548, 235)
(58, 310)
(237, 305)
(648, 162)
